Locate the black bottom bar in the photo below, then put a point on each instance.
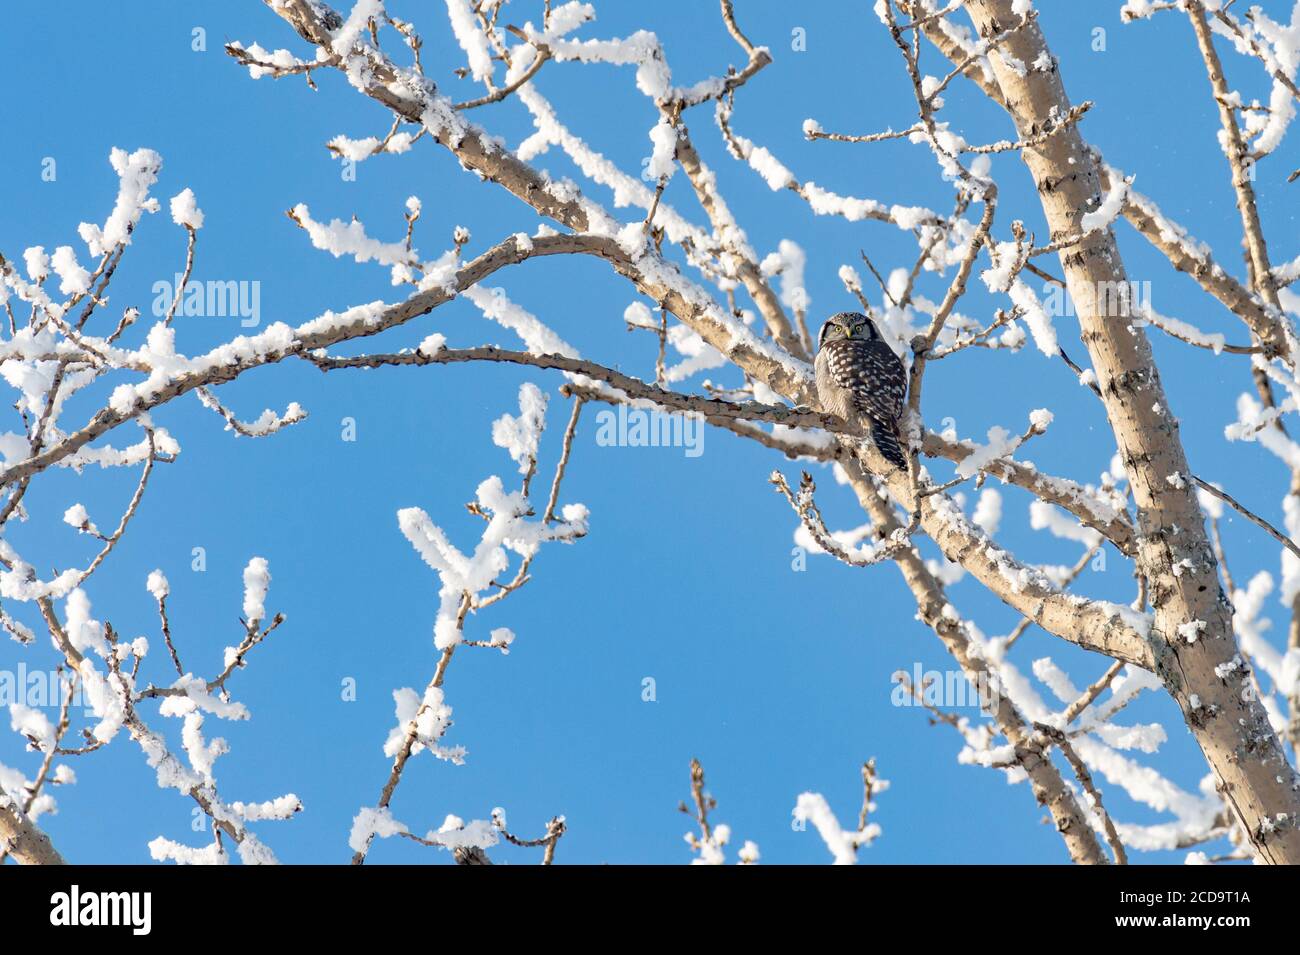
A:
(335, 903)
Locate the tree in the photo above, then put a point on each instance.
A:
(703, 289)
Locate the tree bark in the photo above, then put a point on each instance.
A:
(1031, 751)
(23, 839)
(1206, 677)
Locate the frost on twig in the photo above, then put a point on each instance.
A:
(710, 843)
(469, 582)
(508, 528)
(843, 844)
(267, 423)
(107, 671)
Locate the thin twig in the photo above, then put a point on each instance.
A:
(1250, 515)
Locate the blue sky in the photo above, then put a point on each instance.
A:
(778, 681)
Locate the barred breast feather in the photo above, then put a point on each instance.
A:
(860, 377)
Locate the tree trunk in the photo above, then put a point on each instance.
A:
(1206, 677)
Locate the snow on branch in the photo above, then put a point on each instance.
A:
(508, 528)
(709, 845)
(108, 673)
(1011, 62)
(471, 582)
(843, 845)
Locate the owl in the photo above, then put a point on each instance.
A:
(859, 375)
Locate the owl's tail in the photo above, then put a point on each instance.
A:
(886, 440)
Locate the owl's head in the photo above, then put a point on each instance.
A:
(848, 325)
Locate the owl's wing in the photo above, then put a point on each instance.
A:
(872, 375)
